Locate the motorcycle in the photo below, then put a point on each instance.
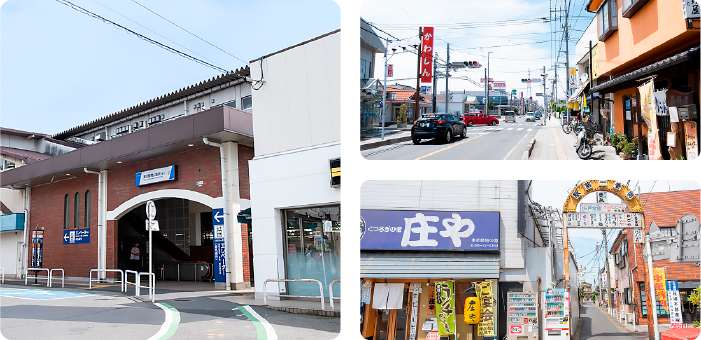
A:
(583, 145)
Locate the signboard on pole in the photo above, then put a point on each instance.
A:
(573, 78)
(390, 70)
(427, 55)
(219, 251)
(674, 303)
(659, 284)
(445, 307)
(74, 236)
(691, 9)
(691, 142)
(37, 248)
(499, 85)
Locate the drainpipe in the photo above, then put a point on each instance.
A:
(225, 207)
(101, 237)
(23, 256)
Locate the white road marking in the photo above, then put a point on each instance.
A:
(529, 130)
(519, 129)
(510, 129)
(255, 317)
(517, 144)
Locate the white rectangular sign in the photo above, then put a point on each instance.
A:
(156, 175)
(603, 220)
(602, 208)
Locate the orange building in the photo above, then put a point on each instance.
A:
(640, 40)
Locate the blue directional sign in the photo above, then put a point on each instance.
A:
(40, 294)
(73, 236)
(219, 250)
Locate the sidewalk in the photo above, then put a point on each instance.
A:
(393, 135)
(597, 324)
(171, 290)
(551, 143)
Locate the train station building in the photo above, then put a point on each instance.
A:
(188, 151)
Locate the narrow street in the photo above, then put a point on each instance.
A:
(595, 325)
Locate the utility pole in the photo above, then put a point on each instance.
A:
(567, 65)
(652, 330)
(435, 82)
(486, 109)
(544, 96)
(447, 65)
(601, 283)
(608, 271)
(418, 74)
(384, 94)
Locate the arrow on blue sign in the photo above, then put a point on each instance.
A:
(217, 216)
(65, 237)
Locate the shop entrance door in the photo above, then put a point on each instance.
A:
(393, 324)
(628, 115)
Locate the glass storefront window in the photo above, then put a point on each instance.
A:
(312, 249)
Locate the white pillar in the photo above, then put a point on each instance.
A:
(234, 248)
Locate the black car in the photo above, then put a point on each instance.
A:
(437, 125)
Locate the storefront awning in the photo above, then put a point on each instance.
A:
(575, 97)
(422, 265)
(687, 55)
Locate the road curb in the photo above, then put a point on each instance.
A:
(527, 153)
(378, 144)
(319, 312)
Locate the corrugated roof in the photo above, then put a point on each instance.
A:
(25, 155)
(690, 54)
(405, 95)
(368, 35)
(175, 95)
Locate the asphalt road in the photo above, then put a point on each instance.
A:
(51, 313)
(503, 141)
(596, 326)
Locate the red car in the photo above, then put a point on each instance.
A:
(479, 118)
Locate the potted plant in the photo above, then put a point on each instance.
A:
(616, 139)
(402, 116)
(630, 149)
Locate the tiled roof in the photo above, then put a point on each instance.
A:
(26, 155)
(665, 208)
(405, 95)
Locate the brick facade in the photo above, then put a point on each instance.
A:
(47, 204)
(664, 208)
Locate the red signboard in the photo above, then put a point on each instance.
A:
(432, 335)
(517, 329)
(390, 70)
(427, 55)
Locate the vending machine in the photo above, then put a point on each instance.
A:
(522, 319)
(556, 314)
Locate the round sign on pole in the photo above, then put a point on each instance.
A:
(150, 210)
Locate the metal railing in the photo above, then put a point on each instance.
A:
(265, 293)
(36, 274)
(126, 279)
(151, 285)
(331, 293)
(121, 277)
(63, 276)
(3, 274)
(180, 271)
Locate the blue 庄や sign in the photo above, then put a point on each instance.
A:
(434, 230)
(76, 236)
(219, 250)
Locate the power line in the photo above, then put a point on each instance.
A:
(150, 30)
(194, 35)
(141, 36)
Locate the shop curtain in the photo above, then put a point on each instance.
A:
(388, 296)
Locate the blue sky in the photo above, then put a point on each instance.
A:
(507, 63)
(60, 68)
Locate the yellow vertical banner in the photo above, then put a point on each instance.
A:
(595, 62)
(487, 321)
(660, 285)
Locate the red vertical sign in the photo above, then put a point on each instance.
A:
(427, 55)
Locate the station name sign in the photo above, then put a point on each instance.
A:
(603, 220)
(155, 176)
(429, 230)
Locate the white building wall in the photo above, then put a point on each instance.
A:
(298, 104)
(290, 180)
(498, 196)
(9, 251)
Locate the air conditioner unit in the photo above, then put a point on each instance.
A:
(101, 136)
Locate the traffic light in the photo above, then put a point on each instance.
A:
(472, 64)
(526, 80)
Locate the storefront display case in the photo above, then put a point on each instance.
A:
(522, 316)
(556, 314)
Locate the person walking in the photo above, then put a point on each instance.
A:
(135, 257)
